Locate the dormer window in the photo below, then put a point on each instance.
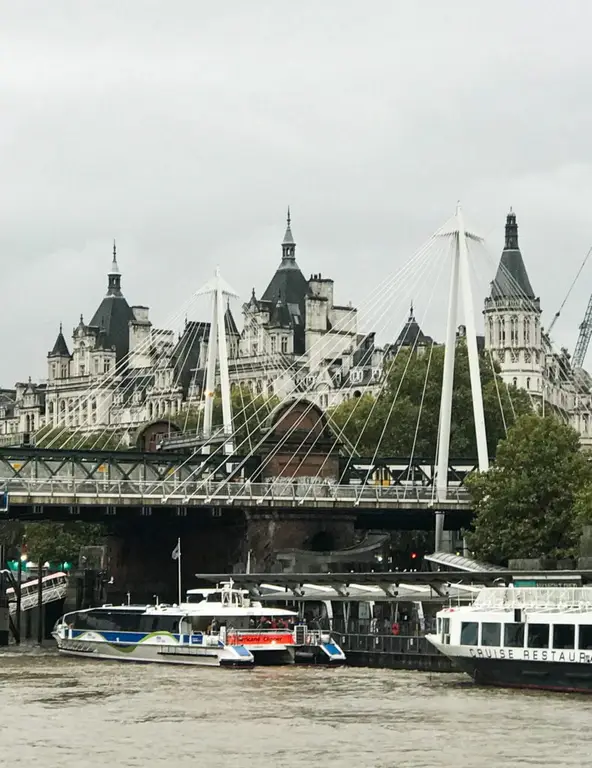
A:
(356, 375)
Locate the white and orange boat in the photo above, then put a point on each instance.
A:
(214, 627)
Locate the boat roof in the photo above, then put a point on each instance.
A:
(194, 609)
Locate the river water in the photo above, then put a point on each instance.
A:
(57, 712)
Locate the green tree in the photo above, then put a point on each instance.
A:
(525, 504)
(401, 425)
(60, 542)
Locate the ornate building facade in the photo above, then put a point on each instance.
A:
(119, 373)
(517, 341)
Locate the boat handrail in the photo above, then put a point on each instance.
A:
(535, 598)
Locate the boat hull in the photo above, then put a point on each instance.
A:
(161, 653)
(542, 675)
(559, 671)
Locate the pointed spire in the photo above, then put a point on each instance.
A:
(411, 316)
(511, 280)
(511, 232)
(288, 244)
(114, 264)
(60, 348)
(288, 238)
(114, 277)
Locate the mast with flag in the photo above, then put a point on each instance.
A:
(176, 555)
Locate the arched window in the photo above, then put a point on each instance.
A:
(502, 327)
(527, 331)
(515, 381)
(514, 331)
(528, 383)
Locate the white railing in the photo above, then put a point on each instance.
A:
(535, 598)
(54, 588)
(208, 492)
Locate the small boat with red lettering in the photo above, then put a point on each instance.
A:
(522, 637)
(220, 626)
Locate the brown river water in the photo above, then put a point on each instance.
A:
(56, 712)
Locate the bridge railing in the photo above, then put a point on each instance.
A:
(213, 492)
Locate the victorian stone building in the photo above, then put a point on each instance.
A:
(117, 372)
(517, 341)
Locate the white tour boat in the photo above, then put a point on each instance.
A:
(215, 627)
(522, 637)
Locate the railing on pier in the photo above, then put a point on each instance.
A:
(396, 644)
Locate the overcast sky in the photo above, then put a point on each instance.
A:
(184, 128)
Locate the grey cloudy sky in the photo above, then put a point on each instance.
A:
(184, 128)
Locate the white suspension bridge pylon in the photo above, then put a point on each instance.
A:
(219, 290)
(460, 282)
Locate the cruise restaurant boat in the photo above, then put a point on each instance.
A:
(215, 627)
(522, 637)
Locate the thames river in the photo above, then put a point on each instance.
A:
(57, 712)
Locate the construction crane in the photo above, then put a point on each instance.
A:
(584, 337)
(588, 311)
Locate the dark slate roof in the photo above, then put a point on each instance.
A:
(113, 318)
(229, 324)
(286, 293)
(411, 334)
(288, 285)
(60, 348)
(511, 279)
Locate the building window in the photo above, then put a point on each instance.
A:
(97, 365)
(53, 370)
(526, 331)
(527, 357)
(273, 345)
(284, 343)
(514, 331)
(515, 381)
(513, 356)
(82, 369)
(528, 383)
(324, 401)
(502, 327)
(254, 350)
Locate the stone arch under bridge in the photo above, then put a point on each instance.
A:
(148, 437)
(298, 444)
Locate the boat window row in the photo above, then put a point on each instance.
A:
(124, 621)
(521, 635)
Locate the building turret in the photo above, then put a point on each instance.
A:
(58, 360)
(512, 318)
